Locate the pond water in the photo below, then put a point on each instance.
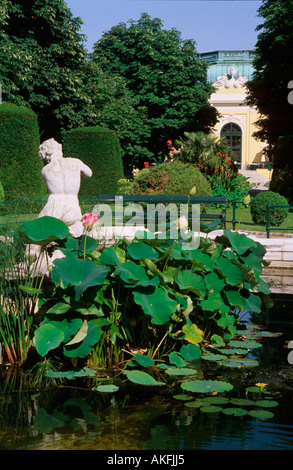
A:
(136, 418)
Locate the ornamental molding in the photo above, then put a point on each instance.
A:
(225, 81)
(239, 120)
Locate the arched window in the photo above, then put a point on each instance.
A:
(233, 135)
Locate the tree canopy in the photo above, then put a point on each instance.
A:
(165, 73)
(43, 63)
(268, 89)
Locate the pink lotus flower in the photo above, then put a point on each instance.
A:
(90, 220)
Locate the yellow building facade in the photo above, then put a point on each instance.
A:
(229, 72)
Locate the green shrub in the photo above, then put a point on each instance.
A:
(259, 208)
(98, 148)
(20, 165)
(172, 178)
(2, 195)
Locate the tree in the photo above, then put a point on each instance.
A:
(117, 108)
(43, 63)
(268, 89)
(165, 73)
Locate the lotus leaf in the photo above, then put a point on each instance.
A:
(190, 352)
(230, 272)
(181, 371)
(242, 402)
(262, 414)
(47, 337)
(192, 282)
(71, 374)
(192, 333)
(215, 400)
(214, 302)
(240, 363)
(139, 250)
(234, 411)
(249, 344)
(80, 273)
(174, 358)
(206, 386)
(240, 242)
(69, 326)
(253, 303)
(142, 378)
(213, 281)
(109, 257)
(158, 305)
(106, 388)
(79, 246)
(183, 397)
(83, 348)
(236, 299)
(133, 274)
(59, 309)
(211, 409)
(266, 403)
(214, 357)
(44, 230)
(195, 404)
(144, 361)
(200, 259)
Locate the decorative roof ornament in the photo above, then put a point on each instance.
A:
(230, 81)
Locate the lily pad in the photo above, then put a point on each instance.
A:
(211, 409)
(234, 411)
(242, 402)
(142, 378)
(181, 371)
(262, 414)
(250, 344)
(240, 363)
(106, 388)
(206, 386)
(266, 403)
(183, 397)
(216, 400)
(195, 404)
(190, 352)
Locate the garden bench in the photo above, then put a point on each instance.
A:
(156, 199)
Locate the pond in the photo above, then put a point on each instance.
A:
(136, 418)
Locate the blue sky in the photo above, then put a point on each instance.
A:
(213, 24)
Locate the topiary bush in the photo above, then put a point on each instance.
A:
(259, 209)
(98, 148)
(20, 165)
(172, 178)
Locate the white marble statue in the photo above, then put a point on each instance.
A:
(232, 82)
(62, 177)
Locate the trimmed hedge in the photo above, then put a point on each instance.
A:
(2, 195)
(259, 210)
(173, 178)
(98, 148)
(20, 165)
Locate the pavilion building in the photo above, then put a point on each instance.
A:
(229, 71)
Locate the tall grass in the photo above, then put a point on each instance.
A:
(18, 296)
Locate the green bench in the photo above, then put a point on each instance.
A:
(156, 199)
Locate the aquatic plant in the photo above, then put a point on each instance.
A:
(151, 295)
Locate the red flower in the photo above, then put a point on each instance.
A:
(229, 176)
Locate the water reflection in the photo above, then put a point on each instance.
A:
(140, 418)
